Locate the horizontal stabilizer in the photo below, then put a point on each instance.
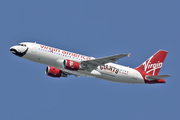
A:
(157, 77)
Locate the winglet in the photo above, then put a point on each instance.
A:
(129, 54)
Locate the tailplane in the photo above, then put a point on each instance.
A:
(157, 77)
(153, 65)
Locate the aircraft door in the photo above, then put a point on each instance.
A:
(34, 48)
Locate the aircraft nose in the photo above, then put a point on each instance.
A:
(13, 49)
(19, 50)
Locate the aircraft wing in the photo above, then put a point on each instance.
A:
(94, 63)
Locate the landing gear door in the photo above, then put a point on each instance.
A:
(34, 48)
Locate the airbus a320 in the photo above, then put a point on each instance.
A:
(62, 63)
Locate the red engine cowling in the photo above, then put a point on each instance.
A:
(71, 65)
(53, 72)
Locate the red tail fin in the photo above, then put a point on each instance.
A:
(154, 63)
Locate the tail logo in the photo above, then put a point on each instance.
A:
(148, 66)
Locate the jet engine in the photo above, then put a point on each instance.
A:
(71, 65)
(54, 72)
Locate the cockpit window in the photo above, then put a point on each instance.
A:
(22, 45)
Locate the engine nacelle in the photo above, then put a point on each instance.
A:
(54, 72)
(71, 65)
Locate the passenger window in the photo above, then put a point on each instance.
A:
(22, 45)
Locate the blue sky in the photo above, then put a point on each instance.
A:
(95, 28)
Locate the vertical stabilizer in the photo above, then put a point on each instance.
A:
(153, 65)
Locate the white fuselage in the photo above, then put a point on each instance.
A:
(110, 71)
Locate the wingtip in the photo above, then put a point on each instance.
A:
(129, 54)
(169, 75)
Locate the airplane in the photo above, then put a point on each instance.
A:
(62, 63)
